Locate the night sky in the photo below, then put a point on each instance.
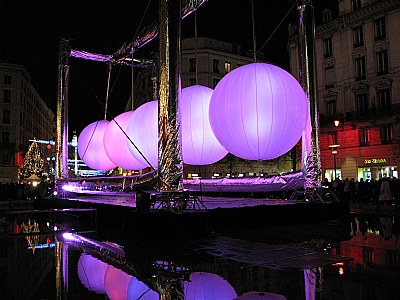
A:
(30, 32)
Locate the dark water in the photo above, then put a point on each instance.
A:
(204, 268)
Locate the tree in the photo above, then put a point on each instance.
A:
(33, 162)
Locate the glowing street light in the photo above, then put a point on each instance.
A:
(334, 149)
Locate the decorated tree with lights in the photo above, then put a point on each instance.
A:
(33, 162)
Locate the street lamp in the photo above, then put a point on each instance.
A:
(334, 149)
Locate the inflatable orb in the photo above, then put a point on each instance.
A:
(91, 147)
(116, 143)
(91, 273)
(199, 144)
(258, 111)
(142, 129)
(208, 286)
(116, 283)
(139, 290)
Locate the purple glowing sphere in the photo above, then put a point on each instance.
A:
(142, 129)
(199, 144)
(116, 283)
(258, 111)
(254, 295)
(116, 143)
(139, 290)
(91, 273)
(91, 147)
(208, 286)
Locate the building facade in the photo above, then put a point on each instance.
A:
(24, 117)
(205, 61)
(358, 88)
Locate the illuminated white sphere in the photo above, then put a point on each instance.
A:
(91, 147)
(116, 143)
(116, 283)
(199, 144)
(258, 111)
(208, 286)
(142, 129)
(91, 273)
(139, 290)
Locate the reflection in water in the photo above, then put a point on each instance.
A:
(102, 270)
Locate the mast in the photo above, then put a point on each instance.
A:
(61, 165)
(307, 76)
(170, 166)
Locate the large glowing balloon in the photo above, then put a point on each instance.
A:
(116, 283)
(91, 148)
(142, 129)
(139, 290)
(208, 286)
(116, 143)
(199, 144)
(260, 296)
(91, 273)
(258, 111)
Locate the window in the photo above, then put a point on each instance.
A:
(329, 77)
(368, 256)
(382, 62)
(362, 102)
(192, 81)
(6, 116)
(7, 96)
(386, 134)
(215, 82)
(332, 138)
(380, 29)
(7, 79)
(358, 37)
(228, 67)
(192, 65)
(364, 136)
(5, 137)
(143, 80)
(327, 47)
(384, 98)
(355, 4)
(331, 108)
(215, 65)
(360, 68)
(326, 16)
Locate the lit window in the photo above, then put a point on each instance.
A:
(327, 47)
(380, 29)
(358, 37)
(228, 67)
(364, 136)
(382, 62)
(360, 67)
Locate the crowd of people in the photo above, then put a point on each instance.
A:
(382, 191)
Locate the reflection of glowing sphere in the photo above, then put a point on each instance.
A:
(258, 111)
(91, 148)
(116, 143)
(116, 282)
(91, 273)
(208, 286)
(142, 129)
(199, 144)
(260, 296)
(139, 290)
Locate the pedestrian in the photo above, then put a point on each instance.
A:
(385, 194)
